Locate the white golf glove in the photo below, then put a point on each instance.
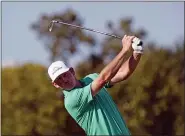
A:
(136, 47)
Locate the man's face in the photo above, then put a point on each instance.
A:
(66, 80)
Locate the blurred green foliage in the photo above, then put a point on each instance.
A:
(151, 100)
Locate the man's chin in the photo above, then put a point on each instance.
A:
(68, 89)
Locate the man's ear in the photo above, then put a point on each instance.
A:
(72, 70)
(55, 85)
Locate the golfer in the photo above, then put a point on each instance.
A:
(87, 100)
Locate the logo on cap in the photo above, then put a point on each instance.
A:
(55, 69)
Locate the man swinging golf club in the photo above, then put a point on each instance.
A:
(87, 99)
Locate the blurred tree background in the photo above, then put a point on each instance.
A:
(151, 100)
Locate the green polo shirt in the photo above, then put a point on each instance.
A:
(97, 115)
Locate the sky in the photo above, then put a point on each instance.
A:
(164, 22)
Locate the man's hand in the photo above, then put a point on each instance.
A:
(138, 49)
(127, 43)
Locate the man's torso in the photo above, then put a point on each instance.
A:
(97, 115)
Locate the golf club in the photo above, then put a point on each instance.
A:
(60, 22)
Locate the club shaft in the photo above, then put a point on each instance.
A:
(60, 22)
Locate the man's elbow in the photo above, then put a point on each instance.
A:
(97, 84)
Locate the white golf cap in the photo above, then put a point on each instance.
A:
(57, 68)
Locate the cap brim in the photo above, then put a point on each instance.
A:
(59, 72)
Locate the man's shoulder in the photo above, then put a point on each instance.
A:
(72, 94)
(92, 75)
(86, 80)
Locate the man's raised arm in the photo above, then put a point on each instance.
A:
(112, 68)
(129, 66)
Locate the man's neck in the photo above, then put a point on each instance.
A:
(78, 84)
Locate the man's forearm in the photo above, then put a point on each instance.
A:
(130, 65)
(112, 68)
(126, 69)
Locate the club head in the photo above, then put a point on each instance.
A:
(52, 24)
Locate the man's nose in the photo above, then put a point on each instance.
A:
(65, 80)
